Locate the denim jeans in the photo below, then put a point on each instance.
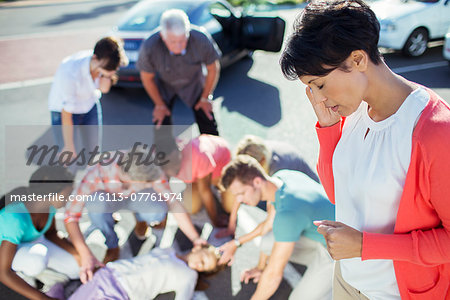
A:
(89, 134)
(100, 213)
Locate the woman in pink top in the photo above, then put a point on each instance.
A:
(199, 163)
(383, 157)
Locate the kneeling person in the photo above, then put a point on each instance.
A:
(294, 202)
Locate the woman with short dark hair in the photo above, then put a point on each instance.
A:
(383, 157)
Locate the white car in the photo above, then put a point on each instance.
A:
(409, 25)
(446, 49)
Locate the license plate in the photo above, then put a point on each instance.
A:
(132, 55)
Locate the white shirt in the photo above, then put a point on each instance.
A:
(160, 271)
(73, 88)
(369, 175)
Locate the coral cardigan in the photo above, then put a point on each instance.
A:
(420, 245)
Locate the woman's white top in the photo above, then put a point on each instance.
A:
(159, 271)
(73, 88)
(369, 175)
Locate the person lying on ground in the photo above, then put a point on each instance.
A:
(146, 276)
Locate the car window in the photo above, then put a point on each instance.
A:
(147, 18)
(204, 17)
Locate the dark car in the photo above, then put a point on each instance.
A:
(236, 34)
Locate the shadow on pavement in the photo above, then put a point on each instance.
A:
(222, 282)
(6, 293)
(252, 98)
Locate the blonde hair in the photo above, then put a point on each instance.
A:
(138, 170)
(255, 147)
(217, 254)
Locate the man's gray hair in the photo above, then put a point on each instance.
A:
(139, 169)
(176, 21)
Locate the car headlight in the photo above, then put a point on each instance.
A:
(387, 25)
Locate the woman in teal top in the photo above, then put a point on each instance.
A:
(28, 239)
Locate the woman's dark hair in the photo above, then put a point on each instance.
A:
(49, 179)
(326, 33)
(110, 49)
(23, 190)
(43, 181)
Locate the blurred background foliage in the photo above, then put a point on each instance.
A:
(264, 2)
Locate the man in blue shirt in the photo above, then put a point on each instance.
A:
(294, 202)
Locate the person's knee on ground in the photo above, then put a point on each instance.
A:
(140, 229)
(160, 225)
(111, 254)
(155, 220)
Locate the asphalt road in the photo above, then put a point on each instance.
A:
(252, 97)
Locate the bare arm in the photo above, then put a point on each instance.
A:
(256, 272)
(264, 227)
(9, 278)
(105, 84)
(210, 84)
(67, 131)
(273, 273)
(233, 216)
(211, 78)
(52, 236)
(207, 197)
(160, 111)
(88, 260)
(185, 223)
(148, 80)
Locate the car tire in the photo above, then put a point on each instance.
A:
(416, 44)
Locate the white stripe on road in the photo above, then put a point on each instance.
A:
(38, 35)
(291, 275)
(46, 80)
(198, 295)
(432, 65)
(25, 83)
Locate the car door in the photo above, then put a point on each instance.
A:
(214, 17)
(262, 33)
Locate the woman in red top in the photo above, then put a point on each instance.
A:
(333, 51)
(199, 164)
